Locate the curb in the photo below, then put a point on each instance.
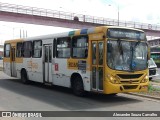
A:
(146, 96)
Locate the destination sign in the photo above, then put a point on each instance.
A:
(126, 34)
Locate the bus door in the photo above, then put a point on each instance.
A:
(47, 63)
(97, 65)
(13, 63)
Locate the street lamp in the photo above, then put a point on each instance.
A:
(118, 15)
(21, 30)
(117, 12)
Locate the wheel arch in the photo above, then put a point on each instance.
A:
(73, 77)
(23, 69)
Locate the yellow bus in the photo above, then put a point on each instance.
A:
(106, 59)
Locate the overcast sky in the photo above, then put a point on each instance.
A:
(145, 11)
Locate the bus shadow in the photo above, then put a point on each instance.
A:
(63, 97)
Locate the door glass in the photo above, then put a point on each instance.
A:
(93, 53)
(100, 46)
(94, 77)
(97, 65)
(100, 74)
(50, 54)
(46, 53)
(13, 54)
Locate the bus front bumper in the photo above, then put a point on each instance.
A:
(110, 88)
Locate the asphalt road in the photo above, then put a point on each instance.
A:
(36, 97)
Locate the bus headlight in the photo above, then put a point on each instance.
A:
(113, 80)
(145, 79)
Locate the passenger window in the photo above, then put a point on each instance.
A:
(19, 50)
(7, 48)
(27, 49)
(80, 47)
(37, 49)
(63, 47)
(54, 47)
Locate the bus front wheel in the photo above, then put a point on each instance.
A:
(24, 78)
(78, 88)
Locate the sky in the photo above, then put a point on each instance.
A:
(144, 11)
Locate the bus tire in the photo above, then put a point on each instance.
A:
(77, 86)
(24, 78)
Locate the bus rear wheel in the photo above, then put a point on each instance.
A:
(24, 78)
(78, 88)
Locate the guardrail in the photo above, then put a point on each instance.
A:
(73, 16)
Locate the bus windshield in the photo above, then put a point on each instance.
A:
(126, 55)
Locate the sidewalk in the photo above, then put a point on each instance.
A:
(5, 76)
(153, 93)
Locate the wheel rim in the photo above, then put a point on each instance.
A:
(78, 87)
(24, 77)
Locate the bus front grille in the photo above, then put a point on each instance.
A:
(129, 76)
(129, 81)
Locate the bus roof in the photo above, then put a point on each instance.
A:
(72, 33)
(78, 32)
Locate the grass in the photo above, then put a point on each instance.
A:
(151, 88)
(152, 91)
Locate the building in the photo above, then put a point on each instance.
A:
(154, 42)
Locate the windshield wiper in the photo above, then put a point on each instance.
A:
(120, 49)
(137, 43)
(133, 64)
(120, 46)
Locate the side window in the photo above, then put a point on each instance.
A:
(19, 49)
(27, 49)
(37, 49)
(80, 47)
(7, 48)
(63, 47)
(54, 47)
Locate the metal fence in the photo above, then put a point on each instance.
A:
(73, 16)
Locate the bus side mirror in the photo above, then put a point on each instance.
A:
(109, 47)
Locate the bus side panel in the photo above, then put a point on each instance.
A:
(61, 75)
(63, 68)
(37, 74)
(19, 62)
(7, 66)
(18, 70)
(80, 66)
(27, 65)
